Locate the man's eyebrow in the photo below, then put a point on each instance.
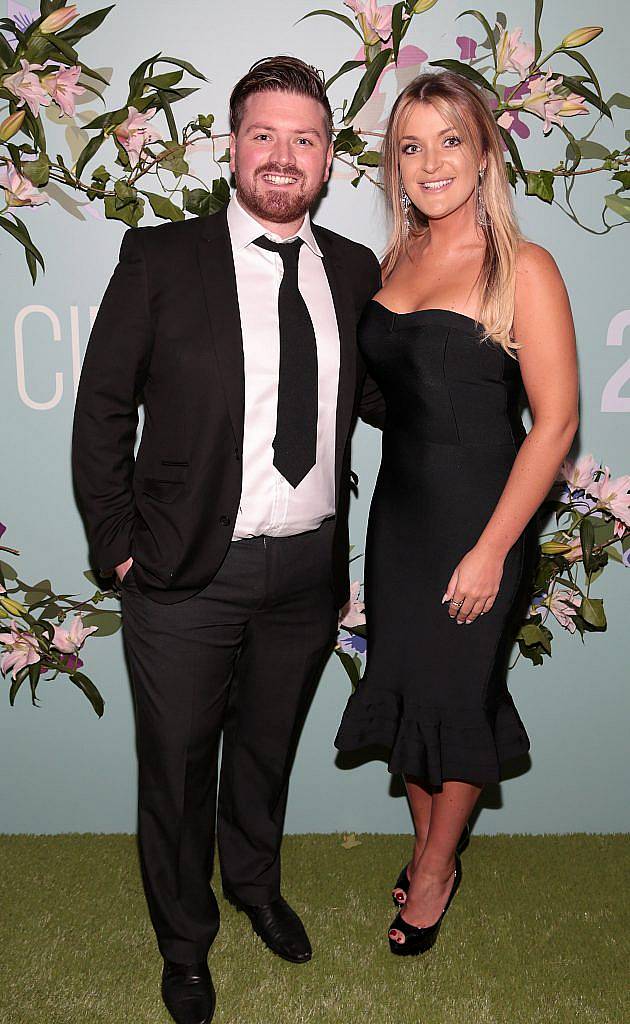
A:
(270, 128)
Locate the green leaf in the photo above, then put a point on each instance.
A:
(37, 171)
(20, 233)
(88, 152)
(533, 654)
(350, 65)
(347, 141)
(7, 56)
(84, 26)
(371, 158)
(15, 685)
(582, 61)
(333, 14)
(592, 611)
(87, 687)
(624, 178)
(163, 207)
(538, 9)
(110, 119)
(8, 572)
(490, 41)
(34, 672)
(351, 666)
(540, 183)
(618, 99)
(137, 77)
(205, 120)
(368, 84)
(165, 81)
(130, 214)
(573, 153)
(397, 27)
(514, 153)
(467, 71)
(532, 634)
(593, 150)
(187, 66)
(174, 161)
(201, 202)
(587, 540)
(619, 204)
(575, 85)
(125, 194)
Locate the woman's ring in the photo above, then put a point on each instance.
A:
(456, 604)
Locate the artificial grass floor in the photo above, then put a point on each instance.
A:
(538, 933)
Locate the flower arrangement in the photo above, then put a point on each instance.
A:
(520, 84)
(592, 512)
(46, 631)
(41, 70)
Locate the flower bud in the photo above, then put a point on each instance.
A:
(423, 5)
(11, 125)
(58, 19)
(11, 606)
(554, 547)
(580, 36)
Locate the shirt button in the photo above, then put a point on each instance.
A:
(224, 521)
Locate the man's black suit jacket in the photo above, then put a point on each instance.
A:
(168, 334)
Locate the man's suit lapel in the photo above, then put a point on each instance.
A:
(216, 264)
(344, 309)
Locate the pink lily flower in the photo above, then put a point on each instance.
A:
(563, 605)
(22, 650)
(572, 105)
(613, 495)
(28, 87)
(375, 22)
(580, 475)
(69, 641)
(62, 88)
(18, 190)
(513, 55)
(354, 611)
(543, 101)
(134, 133)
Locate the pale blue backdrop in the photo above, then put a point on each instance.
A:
(61, 769)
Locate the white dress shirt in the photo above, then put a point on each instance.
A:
(269, 504)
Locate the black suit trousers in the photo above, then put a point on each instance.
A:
(241, 658)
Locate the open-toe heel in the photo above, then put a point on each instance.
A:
(420, 940)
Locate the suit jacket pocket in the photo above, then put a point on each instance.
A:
(162, 490)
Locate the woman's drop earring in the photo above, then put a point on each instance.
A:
(482, 212)
(405, 203)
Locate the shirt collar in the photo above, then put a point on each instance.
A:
(244, 229)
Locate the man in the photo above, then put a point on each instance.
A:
(228, 532)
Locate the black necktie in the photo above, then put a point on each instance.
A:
(295, 443)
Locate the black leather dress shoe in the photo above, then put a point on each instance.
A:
(188, 992)
(278, 926)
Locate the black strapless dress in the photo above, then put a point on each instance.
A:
(434, 692)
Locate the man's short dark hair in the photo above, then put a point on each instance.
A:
(279, 74)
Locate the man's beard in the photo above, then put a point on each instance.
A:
(277, 205)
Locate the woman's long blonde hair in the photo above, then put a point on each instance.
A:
(463, 105)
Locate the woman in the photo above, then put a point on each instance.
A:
(468, 313)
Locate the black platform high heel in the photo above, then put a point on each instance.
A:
(420, 940)
(401, 888)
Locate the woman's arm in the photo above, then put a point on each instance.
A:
(543, 326)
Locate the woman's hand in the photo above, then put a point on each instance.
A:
(474, 584)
